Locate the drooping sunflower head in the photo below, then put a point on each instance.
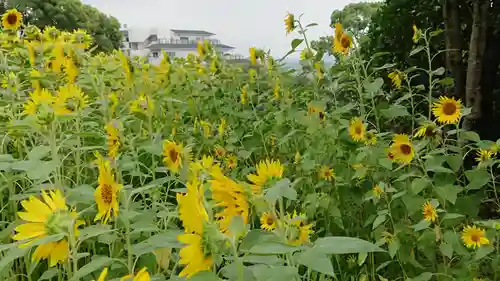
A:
(51, 33)
(40, 106)
(253, 55)
(70, 99)
(196, 255)
(447, 110)
(416, 34)
(484, 155)
(371, 138)
(231, 162)
(474, 237)
(429, 212)
(396, 77)
(32, 32)
(306, 54)
(427, 130)
(326, 173)
(12, 19)
(320, 73)
(172, 155)
(268, 222)
(142, 104)
(200, 47)
(289, 23)
(357, 129)
(81, 39)
(402, 149)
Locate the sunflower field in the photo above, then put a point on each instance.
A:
(202, 169)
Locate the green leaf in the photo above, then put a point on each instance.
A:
(296, 43)
(448, 192)
(93, 231)
(311, 24)
(316, 260)
(335, 245)
(268, 248)
(477, 178)
(38, 152)
(416, 50)
(237, 226)
(394, 247)
(385, 66)
(258, 259)
(426, 276)
(373, 87)
(379, 220)
(49, 274)
(483, 251)
(97, 262)
(12, 255)
(281, 189)
(394, 111)
(275, 273)
(455, 162)
(446, 249)
(204, 276)
(167, 239)
(470, 135)
(255, 237)
(423, 224)
(386, 163)
(362, 258)
(419, 184)
(451, 216)
(439, 71)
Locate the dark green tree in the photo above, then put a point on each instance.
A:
(70, 15)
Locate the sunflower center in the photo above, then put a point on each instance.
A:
(475, 237)
(321, 115)
(12, 18)
(345, 42)
(358, 130)
(449, 108)
(173, 154)
(269, 221)
(107, 193)
(405, 149)
(72, 104)
(429, 132)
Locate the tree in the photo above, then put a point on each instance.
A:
(355, 17)
(70, 15)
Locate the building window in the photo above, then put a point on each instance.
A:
(155, 55)
(134, 46)
(184, 39)
(171, 54)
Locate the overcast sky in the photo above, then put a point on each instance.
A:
(239, 23)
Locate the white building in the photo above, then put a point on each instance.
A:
(175, 42)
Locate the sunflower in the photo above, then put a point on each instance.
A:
(205, 164)
(243, 96)
(306, 54)
(388, 237)
(192, 212)
(377, 191)
(474, 237)
(47, 218)
(230, 196)
(299, 231)
(266, 171)
(268, 222)
(326, 173)
(430, 213)
(106, 193)
(70, 99)
(50, 33)
(12, 19)
(342, 42)
(252, 74)
(39, 103)
(70, 70)
(289, 23)
(35, 77)
(207, 128)
(102, 276)
(277, 88)
(395, 77)
(219, 151)
(370, 139)
(32, 32)
(200, 47)
(426, 130)
(142, 104)
(357, 129)
(231, 162)
(402, 149)
(193, 255)
(81, 39)
(484, 155)
(253, 56)
(447, 110)
(172, 155)
(416, 34)
(222, 127)
(320, 73)
(142, 275)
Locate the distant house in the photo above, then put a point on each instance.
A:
(175, 42)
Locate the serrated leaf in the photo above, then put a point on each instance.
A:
(394, 247)
(451, 216)
(379, 220)
(483, 251)
(335, 245)
(167, 239)
(470, 135)
(439, 71)
(477, 178)
(98, 262)
(416, 50)
(394, 111)
(12, 255)
(268, 248)
(448, 192)
(296, 43)
(446, 249)
(419, 184)
(423, 224)
(49, 274)
(38, 152)
(373, 86)
(426, 276)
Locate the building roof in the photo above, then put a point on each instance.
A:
(189, 31)
(189, 46)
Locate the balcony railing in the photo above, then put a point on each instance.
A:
(180, 41)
